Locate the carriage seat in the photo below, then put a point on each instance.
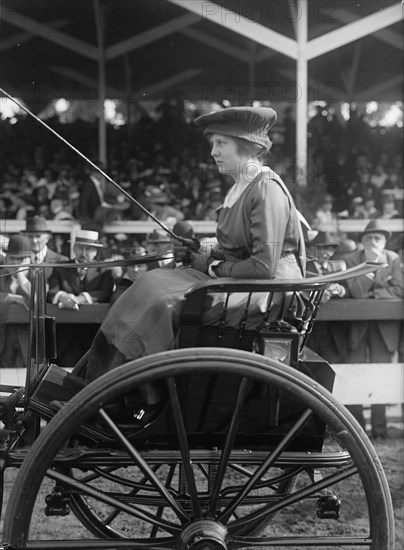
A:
(237, 313)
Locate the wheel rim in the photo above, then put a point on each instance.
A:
(247, 530)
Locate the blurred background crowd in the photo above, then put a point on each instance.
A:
(354, 171)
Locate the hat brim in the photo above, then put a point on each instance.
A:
(384, 232)
(87, 243)
(226, 130)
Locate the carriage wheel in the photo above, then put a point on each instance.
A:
(211, 492)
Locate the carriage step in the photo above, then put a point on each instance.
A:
(57, 385)
(57, 503)
(328, 507)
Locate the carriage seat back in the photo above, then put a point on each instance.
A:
(234, 313)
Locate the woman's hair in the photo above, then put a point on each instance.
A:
(244, 147)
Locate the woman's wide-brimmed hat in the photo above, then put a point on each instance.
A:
(36, 224)
(374, 226)
(249, 123)
(19, 246)
(84, 237)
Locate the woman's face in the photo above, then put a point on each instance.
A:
(226, 155)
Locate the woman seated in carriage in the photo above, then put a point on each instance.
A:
(258, 237)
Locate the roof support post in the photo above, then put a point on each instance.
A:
(301, 95)
(102, 127)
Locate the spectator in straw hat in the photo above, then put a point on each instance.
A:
(374, 341)
(15, 289)
(71, 288)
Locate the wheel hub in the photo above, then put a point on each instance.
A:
(204, 534)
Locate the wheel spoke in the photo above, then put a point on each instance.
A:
(160, 509)
(102, 497)
(184, 448)
(228, 446)
(114, 514)
(229, 510)
(297, 496)
(144, 467)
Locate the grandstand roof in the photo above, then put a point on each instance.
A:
(226, 49)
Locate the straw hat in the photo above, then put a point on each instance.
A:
(85, 237)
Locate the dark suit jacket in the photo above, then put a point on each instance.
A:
(5, 284)
(98, 284)
(120, 287)
(328, 338)
(20, 331)
(387, 283)
(89, 200)
(53, 257)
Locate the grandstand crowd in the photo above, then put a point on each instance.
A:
(354, 170)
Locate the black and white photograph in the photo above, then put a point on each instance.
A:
(201, 274)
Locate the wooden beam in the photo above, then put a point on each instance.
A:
(302, 99)
(353, 31)
(151, 35)
(212, 42)
(60, 38)
(99, 16)
(387, 36)
(23, 37)
(165, 84)
(322, 91)
(209, 11)
(112, 93)
(265, 54)
(349, 75)
(369, 383)
(363, 383)
(294, 14)
(373, 92)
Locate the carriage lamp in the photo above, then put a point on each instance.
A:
(279, 340)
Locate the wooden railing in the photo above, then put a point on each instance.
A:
(345, 309)
(368, 383)
(200, 227)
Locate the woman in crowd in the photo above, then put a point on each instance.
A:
(258, 236)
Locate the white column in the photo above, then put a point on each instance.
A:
(102, 125)
(302, 93)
